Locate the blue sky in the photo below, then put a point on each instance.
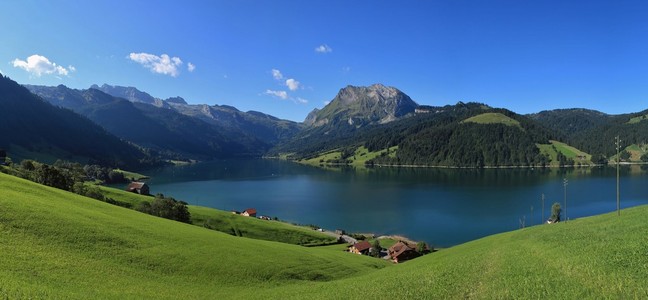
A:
(526, 56)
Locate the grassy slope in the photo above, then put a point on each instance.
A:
(132, 175)
(55, 244)
(567, 150)
(596, 257)
(229, 223)
(359, 158)
(636, 151)
(493, 118)
(638, 119)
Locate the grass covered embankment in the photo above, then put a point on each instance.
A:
(235, 224)
(60, 245)
(57, 244)
(602, 257)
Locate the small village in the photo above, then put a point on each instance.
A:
(401, 249)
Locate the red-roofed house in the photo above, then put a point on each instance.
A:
(360, 248)
(138, 187)
(250, 212)
(401, 251)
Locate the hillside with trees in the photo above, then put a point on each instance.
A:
(461, 135)
(594, 132)
(30, 126)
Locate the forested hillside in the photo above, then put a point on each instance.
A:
(464, 135)
(594, 132)
(32, 127)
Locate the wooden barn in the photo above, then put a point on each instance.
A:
(401, 251)
(138, 187)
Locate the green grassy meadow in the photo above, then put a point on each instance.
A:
(358, 159)
(567, 150)
(56, 245)
(235, 224)
(492, 118)
(132, 175)
(638, 119)
(636, 151)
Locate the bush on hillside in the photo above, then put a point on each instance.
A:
(166, 207)
(644, 157)
(555, 212)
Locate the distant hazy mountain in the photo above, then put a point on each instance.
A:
(148, 125)
(33, 128)
(130, 93)
(266, 128)
(361, 106)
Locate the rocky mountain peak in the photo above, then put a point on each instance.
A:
(362, 105)
(177, 100)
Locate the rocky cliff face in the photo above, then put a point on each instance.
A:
(360, 106)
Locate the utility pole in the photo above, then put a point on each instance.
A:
(618, 146)
(565, 209)
(543, 219)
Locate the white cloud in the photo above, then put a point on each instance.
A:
(39, 65)
(191, 67)
(163, 64)
(301, 100)
(324, 48)
(292, 84)
(279, 94)
(72, 68)
(327, 102)
(276, 74)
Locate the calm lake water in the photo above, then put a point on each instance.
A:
(444, 207)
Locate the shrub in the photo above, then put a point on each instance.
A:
(555, 212)
(166, 207)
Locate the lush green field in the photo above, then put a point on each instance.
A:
(598, 257)
(636, 151)
(55, 244)
(493, 118)
(638, 119)
(567, 150)
(132, 175)
(358, 159)
(235, 224)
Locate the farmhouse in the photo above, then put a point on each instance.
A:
(138, 187)
(401, 251)
(360, 248)
(250, 212)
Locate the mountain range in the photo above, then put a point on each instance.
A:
(374, 124)
(172, 127)
(32, 128)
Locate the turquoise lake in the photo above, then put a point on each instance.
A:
(444, 207)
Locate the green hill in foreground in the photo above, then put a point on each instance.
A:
(59, 245)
